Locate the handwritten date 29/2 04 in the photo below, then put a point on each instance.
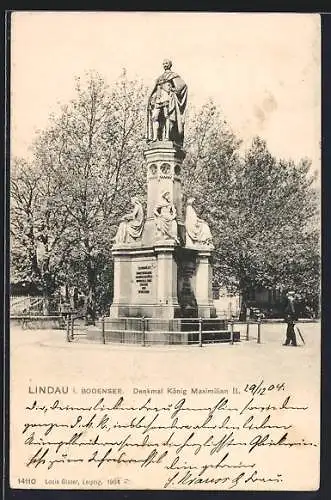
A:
(262, 388)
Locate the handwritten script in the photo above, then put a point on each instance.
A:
(222, 444)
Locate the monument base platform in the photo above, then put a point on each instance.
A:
(164, 281)
(163, 338)
(154, 331)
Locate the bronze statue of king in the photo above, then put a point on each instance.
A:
(166, 107)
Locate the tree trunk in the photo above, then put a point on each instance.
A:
(45, 301)
(47, 285)
(243, 296)
(90, 315)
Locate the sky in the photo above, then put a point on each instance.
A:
(263, 70)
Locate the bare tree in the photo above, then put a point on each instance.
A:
(39, 228)
(93, 148)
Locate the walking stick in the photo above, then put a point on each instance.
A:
(300, 334)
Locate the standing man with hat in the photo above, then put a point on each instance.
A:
(290, 317)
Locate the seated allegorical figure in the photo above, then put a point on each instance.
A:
(132, 224)
(165, 215)
(197, 230)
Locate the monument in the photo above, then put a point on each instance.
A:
(162, 257)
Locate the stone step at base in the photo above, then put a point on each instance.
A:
(161, 337)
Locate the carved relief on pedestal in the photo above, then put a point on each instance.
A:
(152, 171)
(177, 171)
(197, 230)
(131, 225)
(165, 171)
(165, 215)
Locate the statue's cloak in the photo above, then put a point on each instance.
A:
(197, 229)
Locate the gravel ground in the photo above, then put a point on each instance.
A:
(39, 352)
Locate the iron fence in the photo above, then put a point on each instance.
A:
(253, 329)
(38, 321)
(153, 331)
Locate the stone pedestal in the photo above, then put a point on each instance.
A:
(145, 282)
(162, 278)
(195, 283)
(164, 166)
(204, 291)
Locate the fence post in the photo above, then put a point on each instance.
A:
(103, 329)
(68, 328)
(143, 331)
(247, 330)
(200, 332)
(231, 332)
(259, 331)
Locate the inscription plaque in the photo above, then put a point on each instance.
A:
(144, 275)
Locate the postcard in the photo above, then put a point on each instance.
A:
(165, 251)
